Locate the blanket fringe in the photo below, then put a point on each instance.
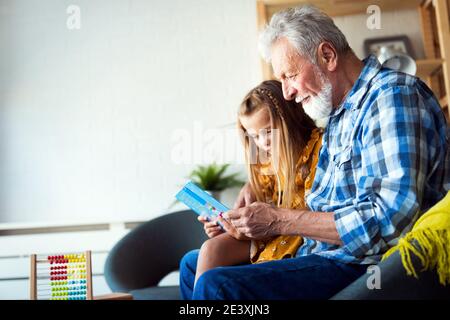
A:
(431, 247)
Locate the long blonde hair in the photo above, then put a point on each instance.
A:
(293, 128)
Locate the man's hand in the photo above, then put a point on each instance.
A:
(231, 230)
(257, 221)
(245, 197)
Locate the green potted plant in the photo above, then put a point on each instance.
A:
(212, 178)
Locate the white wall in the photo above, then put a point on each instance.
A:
(87, 116)
(393, 23)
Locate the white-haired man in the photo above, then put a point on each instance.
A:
(384, 160)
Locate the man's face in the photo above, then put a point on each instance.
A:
(302, 80)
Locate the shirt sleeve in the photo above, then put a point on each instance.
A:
(394, 158)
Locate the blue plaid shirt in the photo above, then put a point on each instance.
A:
(384, 161)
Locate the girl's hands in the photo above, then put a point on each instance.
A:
(211, 228)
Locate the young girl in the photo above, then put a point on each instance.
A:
(281, 170)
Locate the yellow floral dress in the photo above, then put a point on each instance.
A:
(282, 247)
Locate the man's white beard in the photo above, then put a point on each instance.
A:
(319, 107)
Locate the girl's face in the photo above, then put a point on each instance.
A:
(258, 126)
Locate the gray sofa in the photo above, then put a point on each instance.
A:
(139, 261)
(149, 252)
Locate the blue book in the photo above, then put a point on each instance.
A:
(200, 201)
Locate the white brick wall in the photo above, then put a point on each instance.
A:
(15, 271)
(15, 253)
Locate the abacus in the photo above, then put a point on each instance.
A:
(61, 277)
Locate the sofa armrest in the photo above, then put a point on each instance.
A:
(396, 284)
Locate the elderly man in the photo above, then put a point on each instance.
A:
(384, 160)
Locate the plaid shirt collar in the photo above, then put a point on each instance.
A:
(353, 101)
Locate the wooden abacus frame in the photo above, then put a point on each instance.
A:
(34, 276)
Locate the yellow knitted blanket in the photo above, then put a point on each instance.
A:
(429, 240)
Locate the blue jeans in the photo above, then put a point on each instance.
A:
(307, 277)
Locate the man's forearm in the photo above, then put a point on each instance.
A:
(315, 225)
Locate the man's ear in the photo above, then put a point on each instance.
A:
(327, 56)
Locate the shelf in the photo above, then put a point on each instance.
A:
(427, 67)
(341, 7)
